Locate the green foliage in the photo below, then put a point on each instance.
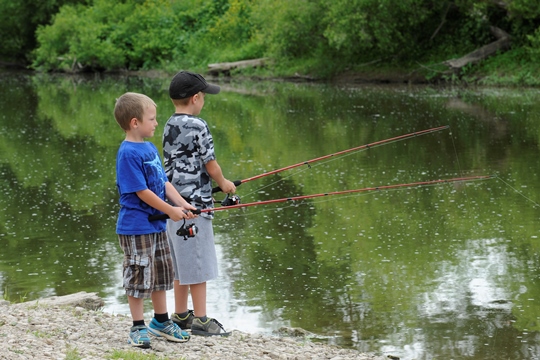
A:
(314, 37)
(18, 23)
(213, 31)
(107, 35)
(529, 9)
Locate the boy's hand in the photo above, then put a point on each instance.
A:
(228, 187)
(179, 213)
(189, 214)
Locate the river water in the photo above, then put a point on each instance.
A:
(447, 270)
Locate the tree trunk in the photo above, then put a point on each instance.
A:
(502, 44)
(82, 299)
(226, 67)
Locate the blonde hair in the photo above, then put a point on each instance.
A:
(131, 105)
(181, 102)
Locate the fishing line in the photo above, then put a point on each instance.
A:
(519, 192)
(536, 204)
(460, 171)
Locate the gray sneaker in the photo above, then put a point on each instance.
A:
(183, 322)
(211, 327)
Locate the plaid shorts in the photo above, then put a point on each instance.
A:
(147, 264)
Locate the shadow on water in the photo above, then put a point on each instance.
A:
(446, 271)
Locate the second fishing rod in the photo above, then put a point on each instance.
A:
(231, 201)
(191, 230)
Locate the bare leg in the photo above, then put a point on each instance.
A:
(198, 295)
(181, 293)
(159, 300)
(136, 307)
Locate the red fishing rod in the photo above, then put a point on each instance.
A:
(367, 146)
(303, 197)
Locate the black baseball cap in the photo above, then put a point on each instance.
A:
(186, 84)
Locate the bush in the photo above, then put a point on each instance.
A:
(107, 36)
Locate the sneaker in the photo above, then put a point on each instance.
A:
(209, 328)
(138, 336)
(168, 330)
(183, 322)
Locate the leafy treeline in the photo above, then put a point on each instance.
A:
(318, 37)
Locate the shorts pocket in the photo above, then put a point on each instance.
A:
(137, 274)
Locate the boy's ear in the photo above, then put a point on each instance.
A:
(133, 123)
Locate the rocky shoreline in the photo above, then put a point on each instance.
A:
(73, 327)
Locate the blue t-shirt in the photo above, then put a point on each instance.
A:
(138, 167)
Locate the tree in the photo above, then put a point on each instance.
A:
(18, 23)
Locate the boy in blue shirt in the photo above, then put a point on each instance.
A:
(143, 188)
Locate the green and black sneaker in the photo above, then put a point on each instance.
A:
(211, 327)
(183, 322)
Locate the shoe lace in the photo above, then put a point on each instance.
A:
(140, 333)
(170, 328)
(190, 313)
(218, 324)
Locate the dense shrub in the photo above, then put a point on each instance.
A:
(317, 36)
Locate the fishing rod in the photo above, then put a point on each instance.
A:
(303, 197)
(366, 146)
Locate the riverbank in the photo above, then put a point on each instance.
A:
(69, 328)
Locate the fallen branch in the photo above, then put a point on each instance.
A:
(89, 301)
(502, 44)
(226, 67)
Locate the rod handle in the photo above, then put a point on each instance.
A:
(218, 189)
(165, 216)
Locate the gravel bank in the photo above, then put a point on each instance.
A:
(56, 329)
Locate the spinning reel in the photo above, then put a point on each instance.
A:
(230, 200)
(187, 231)
(191, 230)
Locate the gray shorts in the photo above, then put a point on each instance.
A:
(194, 259)
(147, 264)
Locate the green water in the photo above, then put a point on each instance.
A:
(445, 271)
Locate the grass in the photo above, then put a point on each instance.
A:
(136, 355)
(6, 297)
(72, 354)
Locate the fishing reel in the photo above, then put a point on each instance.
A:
(230, 200)
(187, 231)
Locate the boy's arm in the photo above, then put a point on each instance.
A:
(175, 213)
(214, 170)
(174, 196)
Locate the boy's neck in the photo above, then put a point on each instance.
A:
(133, 137)
(184, 110)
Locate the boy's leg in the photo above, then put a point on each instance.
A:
(167, 329)
(164, 278)
(136, 281)
(136, 307)
(181, 293)
(198, 295)
(203, 325)
(159, 301)
(182, 316)
(138, 334)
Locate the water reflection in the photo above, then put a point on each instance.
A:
(447, 271)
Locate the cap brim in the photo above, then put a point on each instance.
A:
(212, 89)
